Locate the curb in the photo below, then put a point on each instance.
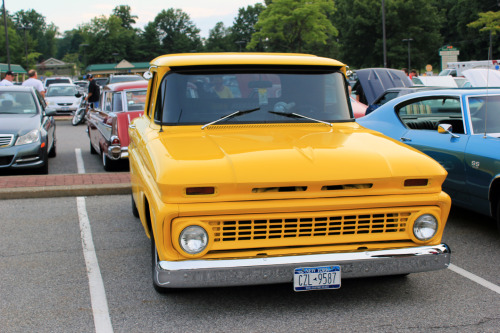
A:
(65, 191)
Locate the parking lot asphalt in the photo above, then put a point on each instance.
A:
(64, 185)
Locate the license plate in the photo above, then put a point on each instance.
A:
(315, 278)
(65, 108)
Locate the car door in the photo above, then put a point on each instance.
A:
(422, 117)
(96, 117)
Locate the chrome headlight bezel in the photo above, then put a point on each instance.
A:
(425, 227)
(30, 137)
(193, 239)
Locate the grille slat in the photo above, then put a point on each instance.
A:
(6, 139)
(300, 227)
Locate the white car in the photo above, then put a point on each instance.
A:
(64, 98)
(56, 79)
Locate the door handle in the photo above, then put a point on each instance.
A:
(131, 126)
(405, 139)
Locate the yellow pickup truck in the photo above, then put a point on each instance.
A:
(249, 169)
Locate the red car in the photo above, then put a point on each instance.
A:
(108, 124)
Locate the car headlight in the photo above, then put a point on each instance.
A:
(29, 137)
(193, 239)
(51, 103)
(425, 227)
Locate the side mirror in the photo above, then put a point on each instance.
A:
(446, 129)
(78, 95)
(50, 111)
(147, 75)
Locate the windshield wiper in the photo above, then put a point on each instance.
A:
(229, 116)
(296, 115)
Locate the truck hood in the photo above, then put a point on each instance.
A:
(305, 160)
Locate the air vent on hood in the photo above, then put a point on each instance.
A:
(280, 189)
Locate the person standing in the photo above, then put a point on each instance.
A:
(94, 92)
(33, 81)
(7, 81)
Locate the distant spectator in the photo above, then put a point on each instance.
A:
(7, 81)
(413, 73)
(94, 92)
(405, 70)
(33, 81)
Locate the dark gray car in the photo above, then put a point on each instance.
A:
(27, 130)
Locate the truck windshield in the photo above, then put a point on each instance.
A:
(190, 97)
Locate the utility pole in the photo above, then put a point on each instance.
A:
(384, 39)
(409, 40)
(6, 34)
(26, 27)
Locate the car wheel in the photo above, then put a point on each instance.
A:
(107, 163)
(154, 263)
(92, 150)
(52, 151)
(498, 215)
(135, 211)
(78, 117)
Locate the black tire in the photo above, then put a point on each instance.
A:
(78, 117)
(498, 215)
(52, 151)
(154, 263)
(107, 163)
(135, 211)
(92, 150)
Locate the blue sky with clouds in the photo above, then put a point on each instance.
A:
(70, 13)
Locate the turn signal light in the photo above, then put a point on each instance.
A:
(200, 190)
(416, 182)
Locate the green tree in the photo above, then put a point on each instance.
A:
(174, 32)
(244, 26)
(219, 39)
(123, 12)
(40, 37)
(472, 44)
(361, 34)
(16, 43)
(294, 25)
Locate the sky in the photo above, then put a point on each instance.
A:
(68, 14)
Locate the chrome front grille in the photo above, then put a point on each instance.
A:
(6, 140)
(336, 228)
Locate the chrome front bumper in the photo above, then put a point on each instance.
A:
(240, 272)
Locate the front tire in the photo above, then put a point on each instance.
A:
(154, 263)
(78, 117)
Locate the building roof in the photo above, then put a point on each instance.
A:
(121, 65)
(16, 69)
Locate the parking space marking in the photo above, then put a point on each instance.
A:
(475, 278)
(79, 160)
(102, 320)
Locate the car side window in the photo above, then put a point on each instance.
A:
(117, 102)
(428, 113)
(108, 102)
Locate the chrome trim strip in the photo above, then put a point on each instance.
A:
(238, 272)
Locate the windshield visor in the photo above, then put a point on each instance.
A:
(200, 97)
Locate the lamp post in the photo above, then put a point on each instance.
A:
(409, 40)
(6, 35)
(25, 27)
(84, 46)
(384, 39)
(240, 42)
(115, 55)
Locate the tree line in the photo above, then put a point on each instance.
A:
(347, 30)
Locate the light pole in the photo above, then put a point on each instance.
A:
(240, 42)
(409, 40)
(26, 27)
(6, 35)
(383, 34)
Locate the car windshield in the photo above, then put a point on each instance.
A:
(61, 91)
(189, 97)
(48, 82)
(17, 102)
(136, 99)
(485, 114)
(125, 78)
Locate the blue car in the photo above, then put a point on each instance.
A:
(459, 128)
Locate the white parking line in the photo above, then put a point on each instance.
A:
(79, 160)
(475, 278)
(102, 320)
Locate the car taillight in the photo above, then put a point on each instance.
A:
(115, 141)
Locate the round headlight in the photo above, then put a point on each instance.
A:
(193, 239)
(425, 227)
